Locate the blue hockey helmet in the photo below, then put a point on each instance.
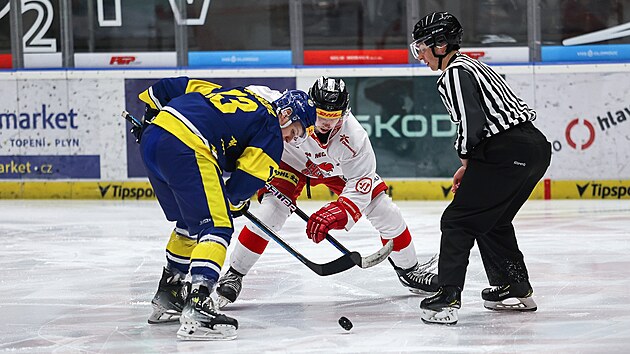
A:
(298, 106)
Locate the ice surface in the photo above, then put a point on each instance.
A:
(78, 276)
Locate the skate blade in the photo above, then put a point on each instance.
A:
(193, 330)
(162, 315)
(447, 316)
(222, 302)
(522, 304)
(422, 292)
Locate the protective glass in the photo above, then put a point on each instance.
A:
(418, 47)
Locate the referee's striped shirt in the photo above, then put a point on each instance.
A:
(479, 101)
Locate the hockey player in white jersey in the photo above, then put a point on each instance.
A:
(339, 155)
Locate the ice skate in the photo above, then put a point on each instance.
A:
(510, 297)
(170, 297)
(442, 307)
(229, 287)
(201, 321)
(418, 279)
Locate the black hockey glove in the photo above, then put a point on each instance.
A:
(239, 209)
(149, 114)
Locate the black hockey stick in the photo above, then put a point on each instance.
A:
(131, 119)
(345, 262)
(363, 262)
(339, 265)
(336, 266)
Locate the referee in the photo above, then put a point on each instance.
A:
(503, 157)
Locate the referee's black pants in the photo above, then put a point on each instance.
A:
(501, 174)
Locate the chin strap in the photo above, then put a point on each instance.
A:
(440, 57)
(449, 49)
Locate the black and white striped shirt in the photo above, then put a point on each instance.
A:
(479, 101)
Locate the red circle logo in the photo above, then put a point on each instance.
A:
(591, 131)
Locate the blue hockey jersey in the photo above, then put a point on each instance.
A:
(232, 126)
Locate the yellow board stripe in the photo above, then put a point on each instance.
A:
(180, 246)
(425, 189)
(214, 192)
(210, 251)
(256, 162)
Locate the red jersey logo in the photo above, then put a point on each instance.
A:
(318, 170)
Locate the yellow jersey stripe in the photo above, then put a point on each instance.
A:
(203, 87)
(256, 162)
(210, 251)
(214, 191)
(147, 97)
(207, 163)
(169, 120)
(180, 245)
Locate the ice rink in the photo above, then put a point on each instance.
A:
(78, 277)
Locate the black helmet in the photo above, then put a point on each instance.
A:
(438, 29)
(330, 95)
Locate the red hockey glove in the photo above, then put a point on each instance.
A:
(331, 216)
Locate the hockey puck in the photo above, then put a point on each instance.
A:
(345, 323)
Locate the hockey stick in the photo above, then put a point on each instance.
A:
(345, 262)
(363, 262)
(339, 265)
(131, 119)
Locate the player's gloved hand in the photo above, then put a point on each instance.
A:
(239, 209)
(331, 216)
(149, 114)
(137, 132)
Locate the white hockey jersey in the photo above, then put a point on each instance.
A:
(347, 154)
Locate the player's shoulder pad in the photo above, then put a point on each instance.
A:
(265, 92)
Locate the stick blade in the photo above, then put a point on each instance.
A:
(378, 256)
(338, 265)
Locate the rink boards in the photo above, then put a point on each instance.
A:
(61, 134)
(398, 190)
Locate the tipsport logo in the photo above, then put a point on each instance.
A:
(121, 192)
(598, 190)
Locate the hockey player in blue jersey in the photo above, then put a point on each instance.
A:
(194, 131)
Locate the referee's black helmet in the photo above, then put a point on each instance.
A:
(439, 29)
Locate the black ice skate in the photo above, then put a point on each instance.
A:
(201, 321)
(169, 299)
(510, 297)
(442, 307)
(418, 279)
(229, 287)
